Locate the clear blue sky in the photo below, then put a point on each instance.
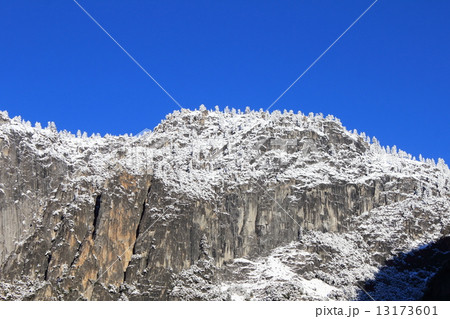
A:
(389, 76)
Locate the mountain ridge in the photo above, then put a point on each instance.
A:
(248, 183)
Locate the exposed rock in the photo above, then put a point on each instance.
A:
(164, 215)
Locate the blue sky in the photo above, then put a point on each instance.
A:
(389, 76)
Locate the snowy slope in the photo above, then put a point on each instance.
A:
(373, 202)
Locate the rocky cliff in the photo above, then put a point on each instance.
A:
(212, 205)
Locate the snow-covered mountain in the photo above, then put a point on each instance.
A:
(218, 205)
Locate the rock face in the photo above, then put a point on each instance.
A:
(209, 205)
(438, 288)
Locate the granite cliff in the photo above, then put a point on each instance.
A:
(214, 205)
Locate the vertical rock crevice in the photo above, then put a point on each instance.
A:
(96, 222)
(78, 251)
(49, 259)
(139, 226)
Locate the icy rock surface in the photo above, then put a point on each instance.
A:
(215, 205)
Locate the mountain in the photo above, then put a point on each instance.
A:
(217, 205)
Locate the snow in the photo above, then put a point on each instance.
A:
(242, 261)
(317, 288)
(197, 154)
(197, 151)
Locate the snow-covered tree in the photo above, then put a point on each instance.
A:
(51, 126)
(394, 150)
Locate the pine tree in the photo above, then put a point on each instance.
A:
(394, 150)
(204, 246)
(51, 126)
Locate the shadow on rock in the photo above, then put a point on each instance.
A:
(420, 274)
